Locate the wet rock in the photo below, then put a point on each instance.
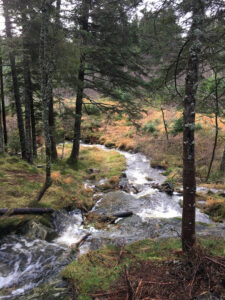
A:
(149, 178)
(114, 202)
(97, 197)
(135, 190)
(124, 185)
(91, 171)
(166, 187)
(96, 218)
(124, 175)
(34, 230)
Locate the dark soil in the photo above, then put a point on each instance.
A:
(197, 276)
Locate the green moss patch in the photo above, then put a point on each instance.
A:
(21, 182)
(100, 270)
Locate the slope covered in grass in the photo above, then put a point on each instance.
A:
(21, 182)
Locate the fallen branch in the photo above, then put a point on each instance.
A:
(215, 261)
(130, 291)
(25, 211)
(138, 289)
(160, 283)
(123, 214)
(109, 293)
(82, 240)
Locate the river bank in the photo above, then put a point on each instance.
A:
(155, 215)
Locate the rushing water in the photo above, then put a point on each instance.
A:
(25, 264)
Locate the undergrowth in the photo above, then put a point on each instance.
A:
(102, 269)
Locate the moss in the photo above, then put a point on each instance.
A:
(21, 182)
(100, 269)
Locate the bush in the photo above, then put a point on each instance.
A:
(177, 126)
(149, 128)
(198, 126)
(92, 109)
(14, 142)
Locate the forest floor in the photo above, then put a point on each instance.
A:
(21, 182)
(150, 269)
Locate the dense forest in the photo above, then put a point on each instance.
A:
(112, 149)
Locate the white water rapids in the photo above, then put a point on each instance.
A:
(25, 264)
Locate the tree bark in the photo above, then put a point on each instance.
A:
(165, 125)
(78, 115)
(54, 153)
(1, 133)
(80, 90)
(51, 104)
(216, 126)
(25, 211)
(46, 89)
(191, 85)
(3, 104)
(15, 84)
(2, 100)
(27, 91)
(29, 101)
(33, 121)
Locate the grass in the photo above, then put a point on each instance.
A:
(20, 182)
(212, 204)
(101, 269)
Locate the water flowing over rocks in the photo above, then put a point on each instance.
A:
(28, 261)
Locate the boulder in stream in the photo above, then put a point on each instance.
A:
(35, 230)
(115, 202)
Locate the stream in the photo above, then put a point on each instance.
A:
(26, 264)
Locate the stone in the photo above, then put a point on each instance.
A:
(34, 230)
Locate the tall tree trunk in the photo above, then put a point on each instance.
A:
(165, 125)
(80, 90)
(27, 91)
(78, 115)
(3, 104)
(191, 85)
(1, 109)
(51, 104)
(33, 121)
(46, 89)
(15, 84)
(216, 126)
(54, 153)
(1, 133)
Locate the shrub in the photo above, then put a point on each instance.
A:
(177, 126)
(198, 126)
(149, 128)
(92, 109)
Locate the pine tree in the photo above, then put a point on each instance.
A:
(109, 58)
(15, 83)
(46, 69)
(191, 85)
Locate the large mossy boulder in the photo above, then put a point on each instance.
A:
(36, 230)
